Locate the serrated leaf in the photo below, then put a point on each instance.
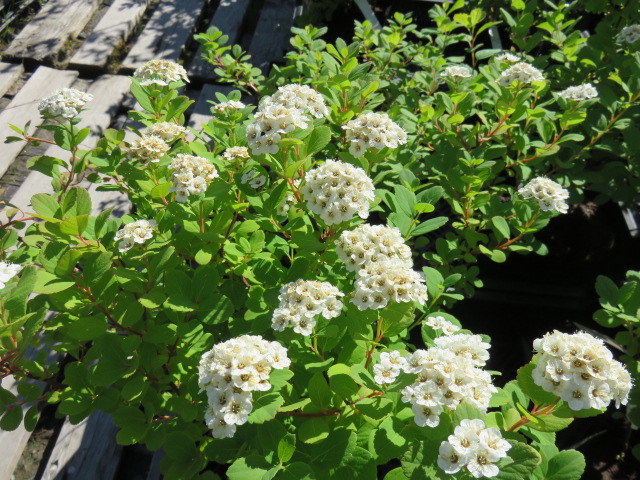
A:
(75, 225)
(265, 407)
(318, 139)
(522, 460)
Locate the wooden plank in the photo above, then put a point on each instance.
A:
(271, 38)
(9, 73)
(228, 17)
(101, 110)
(115, 26)
(86, 450)
(166, 33)
(24, 108)
(202, 109)
(154, 468)
(46, 33)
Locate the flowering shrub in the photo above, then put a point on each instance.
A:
(175, 318)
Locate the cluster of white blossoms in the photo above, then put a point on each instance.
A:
(191, 175)
(523, 72)
(148, 148)
(7, 272)
(253, 179)
(580, 92)
(373, 130)
(167, 131)
(629, 34)
(580, 370)
(371, 244)
(456, 71)
(446, 375)
(549, 194)
(229, 106)
(474, 447)
(160, 72)
(282, 113)
(64, 102)
(236, 153)
(302, 301)
(230, 372)
(507, 57)
(440, 323)
(336, 191)
(136, 232)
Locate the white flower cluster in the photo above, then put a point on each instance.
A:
(580, 370)
(371, 244)
(629, 34)
(236, 153)
(160, 72)
(446, 375)
(456, 71)
(135, 232)
(288, 200)
(474, 447)
(64, 102)
(230, 106)
(507, 57)
(440, 323)
(7, 272)
(167, 131)
(282, 113)
(230, 372)
(148, 148)
(253, 179)
(191, 175)
(579, 93)
(373, 130)
(336, 191)
(523, 72)
(549, 194)
(302, 301)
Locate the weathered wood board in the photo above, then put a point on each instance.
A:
(167, 32)
(98, 117)
(44, 36)
(9, 73)
(270, 40)
(228, 17)
(202, 109)
(24, 108)
(84, 451)
(114, 27)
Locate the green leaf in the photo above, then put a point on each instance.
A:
(404, 201)
(265, 407)
(297, 471)
(318, 139)
(286, 447)
(396, 474)
(566, 465)
(252, 467)
(67, 262)
(551, 423)
(76, 202)
(522, 460)
(607, 290)
(87, 328)
(533, 391)
(501, 226)
(11, 419)
(45, 205)
(49, 283)
(358, 464)
(388, 440)
(332, 451)
(341, 382)
(75, 225)
(160, 191)
(429, 225)
(319, 392)
(313, 430)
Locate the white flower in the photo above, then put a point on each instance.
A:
(191, 175)
(302, 301)
(7, 272)
(236, 153)
(253, 179)
(390, 366)
(548, 194)
(373, 130)
(167, 131)
(449, 460)
(456, 71)
(507, 57)
(226, 107)
(439, 323)
(136, 232)
(230, 372)
(148, 148)
(64, 102)
(580, 370)
(369, 244)
(160, 72)
(579, 93)
(480, 463)
(426, 415)
(629, 34)
(523, 72)
(336, 191)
